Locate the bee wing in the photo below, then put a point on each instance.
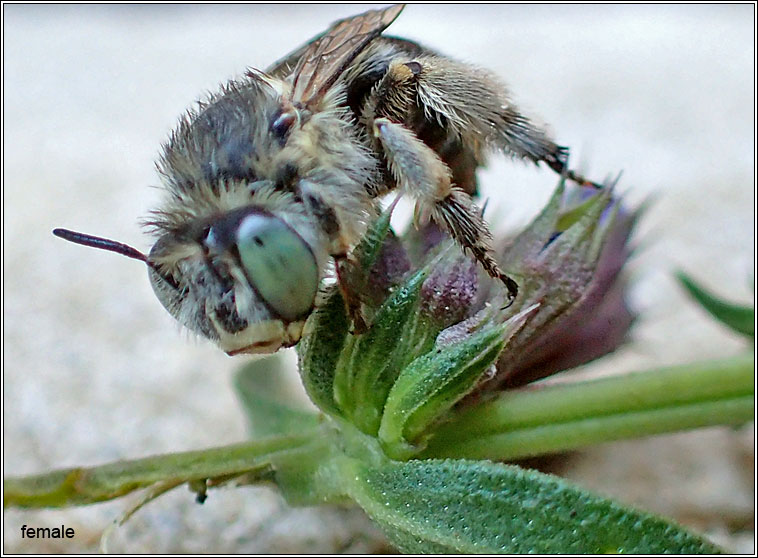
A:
(283, 67)
(328, 55)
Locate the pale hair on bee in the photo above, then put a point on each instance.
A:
(276, 176)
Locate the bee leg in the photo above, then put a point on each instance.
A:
(475, 106)
(346, 278)
(420, 172)
(394, 95)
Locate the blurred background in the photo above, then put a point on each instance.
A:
(95, 370)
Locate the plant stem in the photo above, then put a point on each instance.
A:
(78, 486)
(528, 422)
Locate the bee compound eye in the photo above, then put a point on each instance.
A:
(279, 264)
(283, 122)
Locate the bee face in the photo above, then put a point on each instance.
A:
(247, 281)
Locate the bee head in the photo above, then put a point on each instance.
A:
(259, 191)
(246, 279)
(236, 259)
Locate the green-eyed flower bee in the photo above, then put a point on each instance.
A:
(279, 173)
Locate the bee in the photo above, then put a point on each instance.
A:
(273, 178)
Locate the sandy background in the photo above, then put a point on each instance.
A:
(95, 370)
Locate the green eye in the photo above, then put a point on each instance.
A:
(279, 264)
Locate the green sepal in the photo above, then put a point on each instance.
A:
(355, 270)
(580, 237)
(325, 334)
(370, 363)
(736, 317)
(569, 216)
(266, 400)
(560, 233)
(534, 237)
(479, 507)
(367, 251)
(431, 384)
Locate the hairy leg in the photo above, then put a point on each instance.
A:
(471, 104)
(420, 172)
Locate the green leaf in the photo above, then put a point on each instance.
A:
(371, 362)
(325, 333)
(262, 388)
(739, 318)
(457, 506)
(430, 385)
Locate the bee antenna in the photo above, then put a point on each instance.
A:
(101, 243)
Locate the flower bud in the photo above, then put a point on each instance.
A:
(451, 289)
(570, 259)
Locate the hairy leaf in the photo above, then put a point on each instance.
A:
(457, 506)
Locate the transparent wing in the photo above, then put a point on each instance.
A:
(325, 58)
